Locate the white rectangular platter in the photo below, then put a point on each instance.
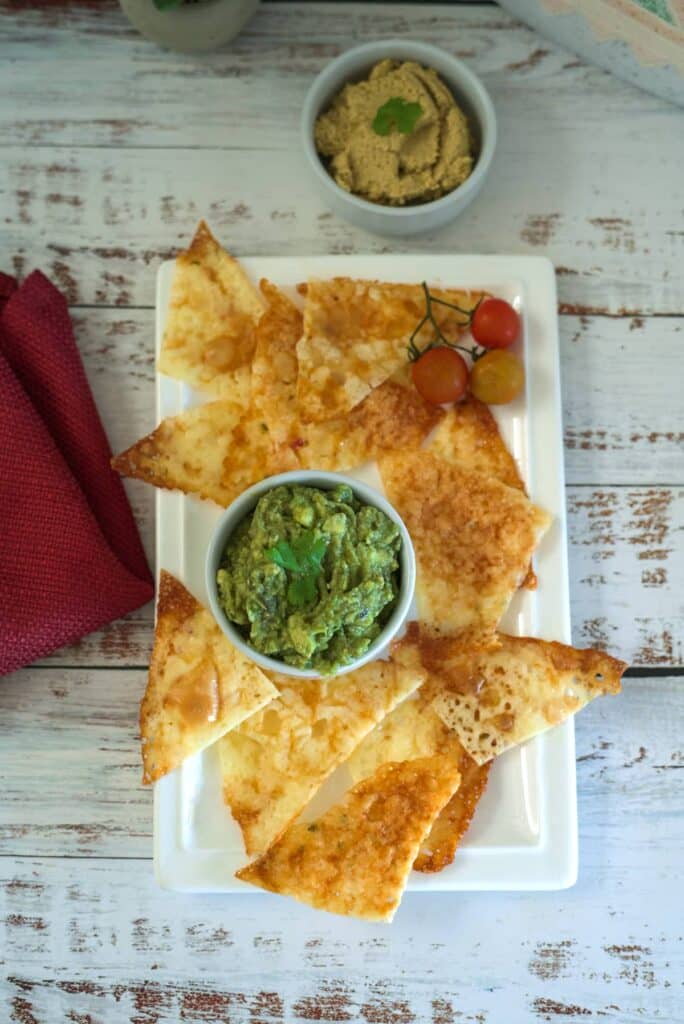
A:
(524, 833)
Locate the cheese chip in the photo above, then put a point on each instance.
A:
(275, 761)
(469, 436)
(356, 858)
(274, 368)
(439, 847)
(199, 685)
(214, 451)
(473, 537)
(390, 417)
(214, 308)
(496, 697)
(414, 730)
(356, 335)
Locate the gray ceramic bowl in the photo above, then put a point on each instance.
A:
(470, 94)
(243, 505)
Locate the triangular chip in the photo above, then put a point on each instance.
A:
(274, 367)
(391, 417)
(356, 335)
(494, 698)
(356, 858)
(414, 730)
(439, 847)
(213, 310)
(199, 685)
(473, 537)
(469, 436)
(275, 761)
(214, 451)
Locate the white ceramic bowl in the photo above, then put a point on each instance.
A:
(191, 28)
(243, 505)
(471, 96)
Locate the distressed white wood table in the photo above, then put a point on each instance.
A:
(111, 151)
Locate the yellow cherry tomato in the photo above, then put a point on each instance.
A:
(497, 378)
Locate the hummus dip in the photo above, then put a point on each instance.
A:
(414, 166)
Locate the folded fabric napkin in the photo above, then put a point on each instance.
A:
(70, 554)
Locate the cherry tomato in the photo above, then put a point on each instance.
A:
(498, 377)
(440, 375)
(495, 324)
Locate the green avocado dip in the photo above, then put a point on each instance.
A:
(311, 576)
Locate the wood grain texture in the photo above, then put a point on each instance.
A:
(622, 415)
(626, 542)
(129, 146)
(112, 150)
(626, 567)
(96, 940)
(626, 554)
(78, 730)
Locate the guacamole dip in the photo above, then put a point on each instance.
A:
(311, 576)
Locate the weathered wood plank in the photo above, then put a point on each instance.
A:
(95, 940)
(622, 411)
(113, 211)
(626, 551)
(623, 418)
(623, 425)
(78, 731)
(626, 548)
(110, 86)
(70, 736)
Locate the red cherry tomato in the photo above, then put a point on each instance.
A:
(440, 375)
(495, 324)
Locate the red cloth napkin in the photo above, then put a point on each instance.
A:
(70, 554)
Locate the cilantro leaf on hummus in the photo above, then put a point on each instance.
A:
(397, 114)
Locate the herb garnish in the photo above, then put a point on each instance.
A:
(396, 114)
(439, 339)
(303, 558)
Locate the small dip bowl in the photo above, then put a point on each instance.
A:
(241, 508)
(469, 93)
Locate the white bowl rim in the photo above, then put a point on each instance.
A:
(325, 479)
(423, 51)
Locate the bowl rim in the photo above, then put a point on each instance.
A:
(326, 480)
(376, 50)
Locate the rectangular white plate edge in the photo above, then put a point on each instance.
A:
(550, 862)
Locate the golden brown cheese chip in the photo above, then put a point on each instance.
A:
(213, 310)
(414, 730)
(356, 335)
(469, 436)
(199, 685)
(275, 761)
(274, 368)
(391, 417)
(356, 858)
(452, 823)
(473, 537)
(214, 451)
(498, 697)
